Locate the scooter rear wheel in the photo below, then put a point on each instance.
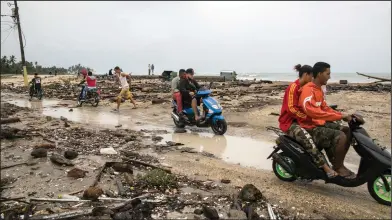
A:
(281, 173)
(378, 190)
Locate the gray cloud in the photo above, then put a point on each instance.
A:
(208, 36)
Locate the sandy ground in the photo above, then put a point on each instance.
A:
(243, 149)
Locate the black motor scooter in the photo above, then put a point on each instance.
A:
(293, 162)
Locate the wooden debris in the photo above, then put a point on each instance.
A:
(12, 165)
(9, 120)
(45, 145)
(98, 177)
(120, 187)
(64, 215)
(375, 77)
(145, 164)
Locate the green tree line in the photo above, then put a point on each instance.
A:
(9, 65)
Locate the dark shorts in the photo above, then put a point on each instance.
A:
(326, 137)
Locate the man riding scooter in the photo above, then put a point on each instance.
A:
(91, 84)
(35, 84)
(175, 86)
(332, 137)
(188, 88)
(291, 114)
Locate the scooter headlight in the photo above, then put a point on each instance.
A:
(210, 111)
(216, 106)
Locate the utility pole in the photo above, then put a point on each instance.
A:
(21, 43)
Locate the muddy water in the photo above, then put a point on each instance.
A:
(93, 116)
(232, 149)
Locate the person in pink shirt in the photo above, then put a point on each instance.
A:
(91, 84)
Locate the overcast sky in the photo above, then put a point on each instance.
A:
(208, 36)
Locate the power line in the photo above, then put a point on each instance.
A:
(8, 28)
(7, 36)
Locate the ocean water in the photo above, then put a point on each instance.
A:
(335, 77)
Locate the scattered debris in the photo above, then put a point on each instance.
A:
(60, 160)
(225, 181)
(77, 173)
(108, 150)
(9, 120)
(39, 152)
(92, 193)
(70, 155)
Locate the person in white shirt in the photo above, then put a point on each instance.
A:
(125, 90)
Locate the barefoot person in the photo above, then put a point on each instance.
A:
(332, 137)
(291, 114)
(125, 91)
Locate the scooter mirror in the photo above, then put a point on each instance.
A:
(358, 119)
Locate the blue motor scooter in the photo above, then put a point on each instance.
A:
(212, 114)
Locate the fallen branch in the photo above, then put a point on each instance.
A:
(375, 77)
(146, 164)
(64, 215)
(9, 120)
(120, 187)
(12, 165)
(75, 200)
(129, 201)
(99, 174)
(73, 193)
(6, 187)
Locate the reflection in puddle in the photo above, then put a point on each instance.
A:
(87, 115)
(246, 151)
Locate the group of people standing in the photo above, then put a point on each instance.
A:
(306, 117)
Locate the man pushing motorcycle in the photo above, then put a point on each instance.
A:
(332, 137)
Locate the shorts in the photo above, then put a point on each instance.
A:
(327, 137)
(125, 93)
(305, 139)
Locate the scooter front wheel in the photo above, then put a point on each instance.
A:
(280, 172)
(219, 127)
(378, 191)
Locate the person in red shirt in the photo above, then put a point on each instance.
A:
(291, 113)
(332, 137)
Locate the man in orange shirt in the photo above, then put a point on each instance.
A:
(291, 113)
(332, 137)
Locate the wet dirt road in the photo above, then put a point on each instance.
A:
(234, 148)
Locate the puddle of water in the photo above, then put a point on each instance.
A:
(100, 115)
(246, 151)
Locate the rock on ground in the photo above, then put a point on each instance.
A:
(39, 152)
(69, 154)
(76, 173)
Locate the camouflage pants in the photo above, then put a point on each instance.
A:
(306, 141)
(327, 137)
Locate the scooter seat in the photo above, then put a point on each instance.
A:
(295, 141)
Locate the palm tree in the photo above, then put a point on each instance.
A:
(12, 60)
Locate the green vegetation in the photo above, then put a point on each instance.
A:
(158, 179)
(9, 65)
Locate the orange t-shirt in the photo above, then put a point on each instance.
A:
(313, 104)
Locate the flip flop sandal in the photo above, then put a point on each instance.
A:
(351, 175)
(332, 175)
